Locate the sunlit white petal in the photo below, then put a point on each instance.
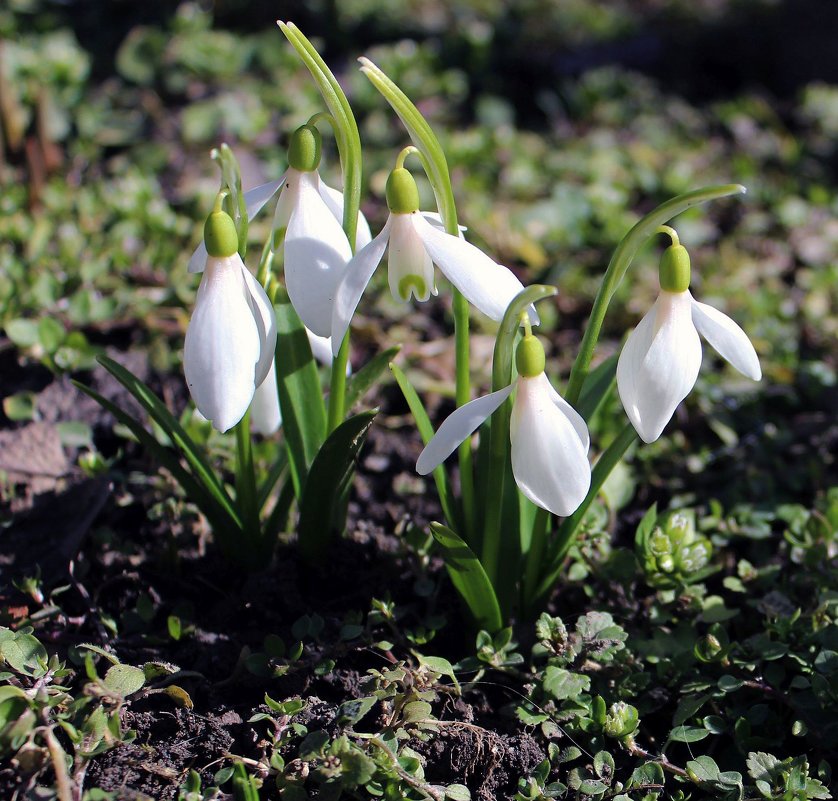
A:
(223, 344)
(316, 253)
(575, 419)
(265, 414)
(357, 275)
(409, 267)
(486, 284)
(457, 427)
(549, 459)
(254, 200)
(435, 219)
(333, 198)
(668, 369)
(728, 339)
(263, 313)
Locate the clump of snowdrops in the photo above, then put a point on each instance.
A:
(252, 342)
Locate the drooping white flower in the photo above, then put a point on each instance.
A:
(315, 245)
(659, 364)
(231, 336)
(265, 412)
(416, 242)
(549, 438)
(255, 199)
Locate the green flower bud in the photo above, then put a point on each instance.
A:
(529, 357)
(621, 721)
(220, 234)
(304, 149)
(402, 192)
(674, 271)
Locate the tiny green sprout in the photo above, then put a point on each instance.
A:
(714, 646)
(305, 148)
(220, 231)
(621, 721)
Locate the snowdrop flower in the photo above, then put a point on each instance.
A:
(660, 361)
(316, 247)
(231, 337)
(549, 438)
(265, 413)
(415, 245)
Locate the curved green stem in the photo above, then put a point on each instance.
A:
(499, 438)
(436, 166)
(621, 261)
(351, 160)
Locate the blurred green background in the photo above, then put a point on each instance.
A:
(563, 122)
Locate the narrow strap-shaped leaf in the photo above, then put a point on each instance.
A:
(158, 412)
(322, 502)
(598, 384)
(359, 383)
(469, 578)
(220, 518)
(426, 431)
(300, 396)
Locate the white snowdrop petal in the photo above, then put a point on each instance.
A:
(409, 267)
(198, 259)
(265, 414)
(435, 219)
(669, 368)
(457, 426)
(263, 314)
(575, 419)
(222, 345)
(486, 284)
(727, 338)
(549, 460)
(333, 198)
(316, 254)
(357, 275)
(254, 200)
(630, 362)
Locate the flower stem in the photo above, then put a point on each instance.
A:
(502, 362)
(337, 387)
(619, 264)
(534, 558)
(246, 492)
